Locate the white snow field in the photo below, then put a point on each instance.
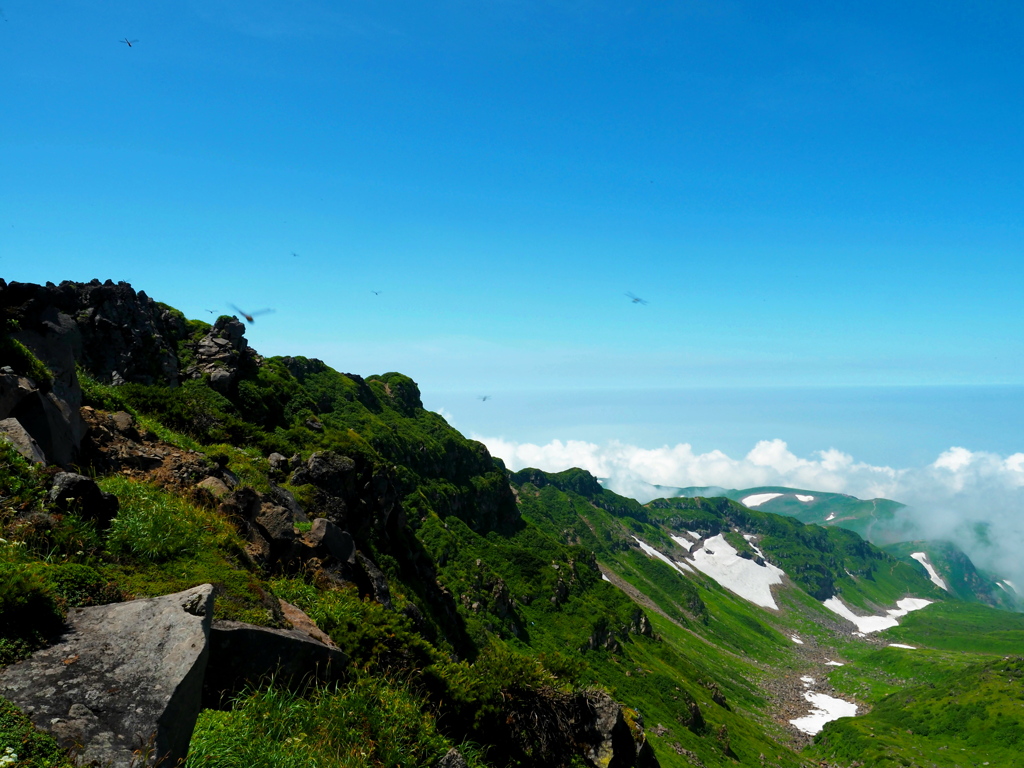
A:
(831, 663)
(796, 639)
(758, 499)
(719, 560)
(901, 645)
(1010, 584)
(805, 499)
(831, 516)
(824, 710)
(877, 623)
(937, 580)
(807, 680)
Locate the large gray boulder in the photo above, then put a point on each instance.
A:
(242, 654)
(123, 678)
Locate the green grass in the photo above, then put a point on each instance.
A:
(368, 722)
(23, 746)
(969, 716)
(956, 626)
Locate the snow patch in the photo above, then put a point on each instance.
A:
(720, 560)
(1010, 584)
(877, 623)
(831, 663)
(807, 680)
(797, 640)
(805, 499)
(605, 578)
(831, 516)
(825, 709)
(922, 558)
(693, 535)
(758, 499)
(901, 645)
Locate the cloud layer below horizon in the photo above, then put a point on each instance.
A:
(973, 498)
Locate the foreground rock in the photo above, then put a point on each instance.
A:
(124, 680)
(242, 654)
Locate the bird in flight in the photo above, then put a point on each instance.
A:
(375, 293)
(250, 316)
(635, 299)
(484, 398)
(295, 255)
(128, 42)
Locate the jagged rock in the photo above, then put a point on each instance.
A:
(640, 624)
(452, 759)
(71, 492)
(286, 499)
(326, 470)
(117, 334)
(122, 676)
(220, 353)
(244, 653)
(326, 536)
(606, 738)
(12, 431)
(379, 589)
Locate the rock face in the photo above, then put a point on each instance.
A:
(244, 653)
(122, 677)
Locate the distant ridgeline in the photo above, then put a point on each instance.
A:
(488, 617)
(877, 521)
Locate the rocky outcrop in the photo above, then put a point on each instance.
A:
(117, 334)
(123, 678)
(220, 353)
(41, 426)
(243, 654)
(606, 738)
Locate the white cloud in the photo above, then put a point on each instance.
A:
(974, 498)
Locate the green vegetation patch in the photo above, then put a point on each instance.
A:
(368, 722)
(23, 746)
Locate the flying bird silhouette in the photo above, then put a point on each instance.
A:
(636, 299)
(375, 293)
(485, 398)
(128, 42)
(250, 317)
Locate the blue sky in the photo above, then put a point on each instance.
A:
(807, 194)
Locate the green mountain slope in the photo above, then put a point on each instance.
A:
(481, 609)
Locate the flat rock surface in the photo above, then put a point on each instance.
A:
(123, 676)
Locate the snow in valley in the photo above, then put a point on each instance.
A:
(804, 499)
(824, 709)
(877, 623)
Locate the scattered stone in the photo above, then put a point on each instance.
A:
(215, 486)
(301, 622)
